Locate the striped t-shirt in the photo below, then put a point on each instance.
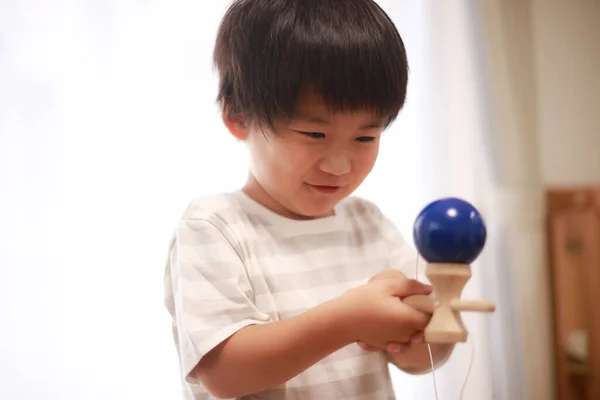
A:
(233, 263)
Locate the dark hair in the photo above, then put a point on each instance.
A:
(349, 51)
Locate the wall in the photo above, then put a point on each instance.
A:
(567, 54)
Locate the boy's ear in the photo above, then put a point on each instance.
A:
(236, 124)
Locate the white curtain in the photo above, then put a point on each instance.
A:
(514, 197)
(108, 128)
(439, 149)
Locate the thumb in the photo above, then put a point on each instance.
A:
(408, 287)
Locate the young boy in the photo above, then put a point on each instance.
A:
(289, 288)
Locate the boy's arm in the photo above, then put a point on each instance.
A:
(416, 361)
(245, 362)
(261, 357)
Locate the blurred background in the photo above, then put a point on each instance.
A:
(108, 128)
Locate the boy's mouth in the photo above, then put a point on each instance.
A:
(324, 189)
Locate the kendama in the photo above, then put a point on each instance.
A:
(449, 234)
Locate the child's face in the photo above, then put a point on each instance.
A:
(313, 161)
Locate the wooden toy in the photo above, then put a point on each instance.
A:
(449, 235)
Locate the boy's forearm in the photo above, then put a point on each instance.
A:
(260, 357)
(416, 361)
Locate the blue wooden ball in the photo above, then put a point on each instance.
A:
(449, 230)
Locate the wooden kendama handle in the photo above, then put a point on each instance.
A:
(472, 305)
(427, 304)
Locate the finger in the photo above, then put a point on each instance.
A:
(389, 273)
(411, 318)
(408, 287)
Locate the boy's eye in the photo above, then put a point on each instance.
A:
(314, 135)
(365, 139)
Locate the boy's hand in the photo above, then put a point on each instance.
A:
(380, 318)
(389, 273)
(417, 337)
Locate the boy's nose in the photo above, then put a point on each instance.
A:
(335, 165)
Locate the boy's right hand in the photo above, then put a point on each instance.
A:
(377, 315)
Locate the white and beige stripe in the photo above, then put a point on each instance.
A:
(233, 263)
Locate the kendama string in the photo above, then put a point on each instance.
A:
(472, 345)
(428, 345)
(464, 386)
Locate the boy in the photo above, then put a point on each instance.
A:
(289, 288)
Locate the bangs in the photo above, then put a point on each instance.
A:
(349, 52)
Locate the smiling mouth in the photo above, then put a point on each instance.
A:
(324, 189)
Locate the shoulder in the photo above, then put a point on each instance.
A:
(219, 213)
(222, 209)
(368, 215)
(211, 229)
(210, 207)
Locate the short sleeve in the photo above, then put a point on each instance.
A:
(211, 295)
